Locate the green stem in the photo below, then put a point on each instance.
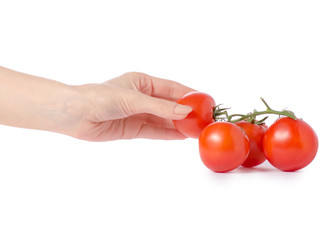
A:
(218, 112)
(263, 100)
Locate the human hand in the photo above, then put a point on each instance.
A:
(134, 105)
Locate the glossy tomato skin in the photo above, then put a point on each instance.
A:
(223, 146)
(255, 134)
(201, 115)
(289, 144)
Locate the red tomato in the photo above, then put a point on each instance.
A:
(223, 146)
(290, 144)
(201, 116)
(255, 134)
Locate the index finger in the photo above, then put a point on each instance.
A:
(164, 88)
(169, 89)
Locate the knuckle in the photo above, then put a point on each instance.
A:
(142, 81)
(135, 75)
(128, 104)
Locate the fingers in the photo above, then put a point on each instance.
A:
(168, 89)
(160, 107)
(156, 121)
(147, 126)
(156, 132)
(153, 86)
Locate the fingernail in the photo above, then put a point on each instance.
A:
(182, 110)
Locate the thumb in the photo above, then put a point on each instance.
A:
(161, 108)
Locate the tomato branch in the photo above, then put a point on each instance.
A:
(221, 114)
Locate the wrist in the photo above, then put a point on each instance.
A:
(67, 111)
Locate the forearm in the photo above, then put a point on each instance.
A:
(37, 103)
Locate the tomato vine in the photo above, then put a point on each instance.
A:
(221, 114)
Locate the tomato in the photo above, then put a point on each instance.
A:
(255, 134)
(201, 115)
(290, 144)
(223, 146)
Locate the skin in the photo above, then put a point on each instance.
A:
(134, 105)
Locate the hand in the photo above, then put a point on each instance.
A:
(134, 105)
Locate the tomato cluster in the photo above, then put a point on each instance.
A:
(289, 144)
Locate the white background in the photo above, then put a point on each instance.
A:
(56, 187)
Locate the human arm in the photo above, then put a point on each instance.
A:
(129, 106)
(37, 103)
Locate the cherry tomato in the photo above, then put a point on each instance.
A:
(255, 134)
(223, 146)
(290, 144)
(201, 116)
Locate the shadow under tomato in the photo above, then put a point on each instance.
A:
(263, 168)
(263, 171)
(255, 169)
